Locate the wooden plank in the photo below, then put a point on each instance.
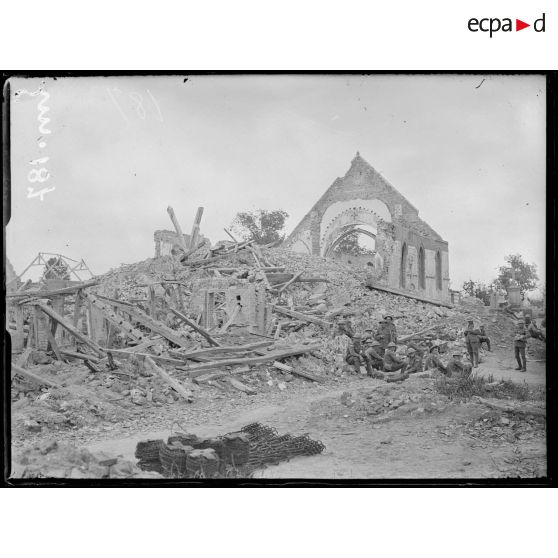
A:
(141, 346)
(52, 341)
(371, 285)
(290, 282)
(204, 333)
(164, 360)
(519, 408)
(69, 327)
(196, 228)
(48, 294)
(152, 324)
(81, 356)
(212, 351)
(177, 228)
(233, 238)
(31, 376)
(115, 320)
(181, 390)
(231, 320)
(296, 372)
(407, 337)
(300, 316)
(196, 370)
(24, 357)
(237, 384)
(77, 307)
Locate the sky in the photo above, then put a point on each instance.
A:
(468, 151)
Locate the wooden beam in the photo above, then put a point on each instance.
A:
(290, 282)
(371, 285)
(296, 372)
(407, 337)
(196, 370)
(24, 357)
(164, 360)
(177, 228)
(196, 228)
(300, 316)
(81, 356)
(204, 333)
(69, 327)
(212, 351)
(47, 294)
(233, 238)
(31, 376)
(181, 390)
(240, 386)
(52, 341)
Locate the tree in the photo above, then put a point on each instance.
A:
(262, 226)
(478, 290)
(525, 273)
(350, 245)
(56, 268)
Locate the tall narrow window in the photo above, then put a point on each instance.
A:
(438, 271)
(403, 272)
(421, 269)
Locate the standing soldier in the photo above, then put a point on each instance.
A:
(456, 367)
(520, 343)
(472, 337)
(433, 360)
(392, 362)
(483, 337)
(355, 354)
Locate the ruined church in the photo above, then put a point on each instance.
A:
(409, 257)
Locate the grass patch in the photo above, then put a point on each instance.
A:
(463, 388)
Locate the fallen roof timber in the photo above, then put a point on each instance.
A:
(400, 292)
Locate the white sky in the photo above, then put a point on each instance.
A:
(471, 159)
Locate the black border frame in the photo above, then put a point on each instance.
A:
(551, 380)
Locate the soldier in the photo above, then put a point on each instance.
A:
(472, 337)
(392, 362)
(355, 354)
(456, 367)
(386, 333)
(346, 328)
(373, 356)
(433, 360)
(414, 361)
(483, 338)
(520, 343)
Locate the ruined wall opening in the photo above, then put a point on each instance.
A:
(403, 270)
(438, 271)
(421, 269)
(356, 245)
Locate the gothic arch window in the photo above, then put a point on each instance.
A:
(403, 270)
(421, 269)
(438, 271)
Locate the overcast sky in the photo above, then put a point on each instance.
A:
(471, 159)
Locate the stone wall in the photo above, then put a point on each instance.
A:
(364, 197)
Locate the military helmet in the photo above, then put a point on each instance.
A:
(435, 346)
(411, 351)
(375, 343)
(386, 316)
(392, 344)
(357, 337)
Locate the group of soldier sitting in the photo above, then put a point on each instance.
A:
(377, 352)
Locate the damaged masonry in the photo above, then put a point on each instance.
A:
(256, 336)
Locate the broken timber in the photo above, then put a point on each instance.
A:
(69, 327)
(291, 370)
(300, 316)
(193, 355)
(519, 408)
(177, 228)
(372, 285)
(181, 390)
(46, 294)
(196, 228)
(30, 376)
(407, 337)
(199, 369)
(204, 333)
(151, 324)
(111, 316)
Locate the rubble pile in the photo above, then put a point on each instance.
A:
(54, 460)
